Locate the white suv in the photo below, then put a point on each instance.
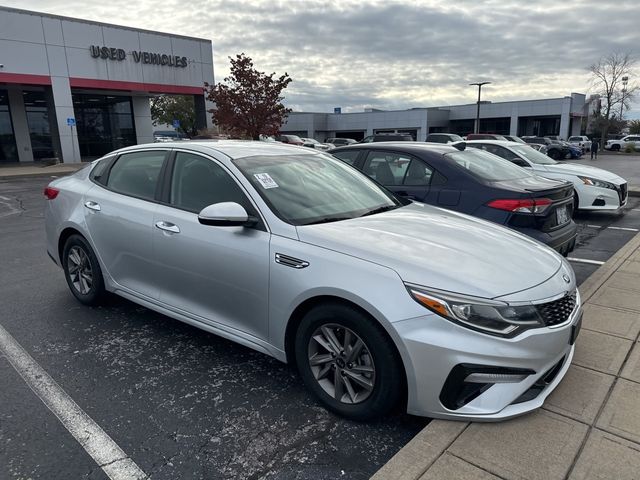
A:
(581, 141)
(617, 145)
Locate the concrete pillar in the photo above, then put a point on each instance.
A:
(564, 118)
(63, 104)
(142, 119)
(20, 126)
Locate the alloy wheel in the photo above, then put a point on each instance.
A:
(79, 268)
(341, 363)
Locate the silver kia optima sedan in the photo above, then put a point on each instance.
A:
(292, 252)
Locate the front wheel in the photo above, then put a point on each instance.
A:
(615, 148)
(348, 362)
(555, 154)
(576, 204)
(82, 271)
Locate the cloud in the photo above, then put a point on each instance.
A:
(392, 54)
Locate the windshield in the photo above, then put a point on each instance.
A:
(534, 156)
(311, 140)
(513, 138)
(306, 189)
(487, 166)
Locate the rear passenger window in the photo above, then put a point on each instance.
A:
(347, 156)
(137, 173)
(396, 169)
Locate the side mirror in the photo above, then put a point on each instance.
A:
(226, 214)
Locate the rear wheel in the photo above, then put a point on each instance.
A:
(82, 271)
(555, 154)
(348, 362)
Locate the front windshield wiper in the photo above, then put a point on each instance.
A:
(327, 220)
(384, 208)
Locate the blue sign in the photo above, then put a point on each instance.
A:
(71, 122)
(176, 123)
(337, 110)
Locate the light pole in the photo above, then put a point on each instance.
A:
(625, 80)
(479, 84)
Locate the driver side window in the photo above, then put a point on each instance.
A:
(197, 182)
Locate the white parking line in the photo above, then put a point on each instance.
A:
(107, 454)
(626, 229)
(585, 260)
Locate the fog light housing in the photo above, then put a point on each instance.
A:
(468, 381)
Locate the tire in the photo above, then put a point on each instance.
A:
(615, 148)
(377, 364)
(553, 153)
(87, 284)
(576, 204)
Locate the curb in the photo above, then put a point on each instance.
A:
(634, 191)
(418, 456)
(18, 172)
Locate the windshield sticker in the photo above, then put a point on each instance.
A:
(265, 180)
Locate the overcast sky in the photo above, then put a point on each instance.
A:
(392, 54)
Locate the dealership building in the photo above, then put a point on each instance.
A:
(564, 116)
(77, 89)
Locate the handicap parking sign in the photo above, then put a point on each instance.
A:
(176, 124)
(71, 122)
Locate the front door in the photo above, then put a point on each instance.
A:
(220, 274)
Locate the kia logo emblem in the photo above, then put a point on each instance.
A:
(566, 278)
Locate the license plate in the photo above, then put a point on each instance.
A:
(562, 215)
(575, 330)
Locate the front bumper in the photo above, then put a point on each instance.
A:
(435, 346)
(598, 198)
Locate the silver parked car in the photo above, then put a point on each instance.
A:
(293, 253)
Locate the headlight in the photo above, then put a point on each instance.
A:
(487, 316)
(594, 182)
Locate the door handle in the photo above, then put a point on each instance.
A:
(168, 227)
(92, 206)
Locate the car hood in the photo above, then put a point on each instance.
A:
(441, 249)
(584, 170)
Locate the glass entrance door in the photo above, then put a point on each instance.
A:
(8, 150)
(104, 123)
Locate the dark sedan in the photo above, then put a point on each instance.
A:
(473, 182)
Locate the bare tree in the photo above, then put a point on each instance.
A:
(609, 79)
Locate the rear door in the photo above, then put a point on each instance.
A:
(401, 173)
(119, 212)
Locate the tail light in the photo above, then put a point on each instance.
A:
(51, 193)
(535, 206)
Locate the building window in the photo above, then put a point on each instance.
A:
(39, 123)
(8, 150)
(104, 122)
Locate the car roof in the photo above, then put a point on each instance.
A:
(407, 147)
(504, 143)
(231, 148)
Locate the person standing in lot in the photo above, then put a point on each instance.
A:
(594, 148)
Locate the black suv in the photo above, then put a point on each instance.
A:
(388, 137)
(443, 138)
(555, 149)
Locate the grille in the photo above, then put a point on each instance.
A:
(558, 311)
(622, 192)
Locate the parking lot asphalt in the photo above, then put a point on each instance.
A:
(180, 402)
